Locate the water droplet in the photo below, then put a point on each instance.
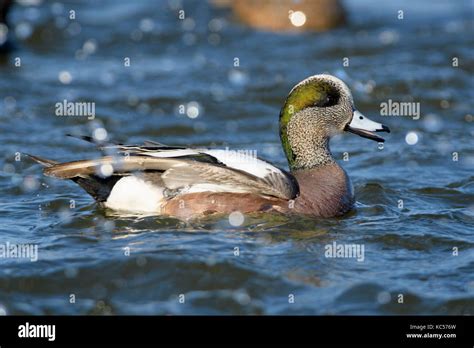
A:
(90, 46)
(189, 39)
(30, 184)
(100, 134)
(217, 92)
(108, 225)
(453, 26)
(57, 8)
(238, 77)
(383, 297)
(71, 272)
(74, 28)
(132, 100)
(30, 2)
(3, 310)
(141, 261)
(199, 127)
(411, 138)
(388, 37)
(211, 260)
(443, 146)
(32, 14)
(241, 297)
(144, 108)
(60, 22)
(146, 25)
(10, 103)
(23, 30)
(136, 35)
(216, 24)
(188, 24)
(236, 218)
(214, 39)
(65, 77)
(3, 33)
(65, 215)
(107, 78)
(175, 4)
(192, 109)
(106, 170)
(8, 168)
(432, 123)
(297, 18)
(444, 104)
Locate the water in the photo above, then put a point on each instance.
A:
(414, 202)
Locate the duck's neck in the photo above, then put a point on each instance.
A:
(311, 153)
(305, 140)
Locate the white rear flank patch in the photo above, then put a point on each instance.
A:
(133, 194)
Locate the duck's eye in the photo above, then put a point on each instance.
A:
(328, 100)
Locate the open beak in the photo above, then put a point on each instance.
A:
(364, 127)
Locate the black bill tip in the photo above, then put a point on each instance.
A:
(366, 134)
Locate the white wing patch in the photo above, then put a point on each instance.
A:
(244, 161)
(173, 153)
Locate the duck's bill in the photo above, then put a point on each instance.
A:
(365, 127)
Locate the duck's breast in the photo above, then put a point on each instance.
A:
(325, 191)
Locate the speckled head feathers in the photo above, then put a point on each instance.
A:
(317, 107)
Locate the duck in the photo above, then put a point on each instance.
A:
(188, 183)
(290, 15)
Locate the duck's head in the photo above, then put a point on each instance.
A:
(316, 109)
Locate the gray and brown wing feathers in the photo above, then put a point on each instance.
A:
(177, 174)
(179, 170)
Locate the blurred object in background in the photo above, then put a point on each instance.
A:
(4, 8)
(5, 43)
(221, 3)
(289, 15)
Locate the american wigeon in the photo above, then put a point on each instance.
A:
(191, 182)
